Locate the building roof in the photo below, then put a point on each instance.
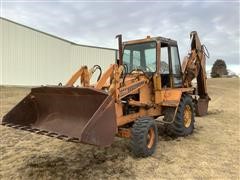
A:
(57, 37)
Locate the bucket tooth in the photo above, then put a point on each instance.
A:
(42, 132)
(33, 130)
(73, 140)
(51, 134)
(62, 137)
(23, 128)
(15, 126)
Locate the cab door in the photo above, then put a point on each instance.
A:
(176, 70)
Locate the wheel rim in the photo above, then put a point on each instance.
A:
(150, 138)
(187, 116)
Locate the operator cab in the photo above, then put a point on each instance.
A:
(142, 55)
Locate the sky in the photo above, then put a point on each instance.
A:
(97, 22)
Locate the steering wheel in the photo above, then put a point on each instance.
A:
(148, 69)
(133, 71)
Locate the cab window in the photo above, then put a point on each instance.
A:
(140, 56)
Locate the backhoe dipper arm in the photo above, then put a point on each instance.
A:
(194, 66)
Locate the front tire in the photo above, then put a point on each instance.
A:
(183, 124)
(144, 137)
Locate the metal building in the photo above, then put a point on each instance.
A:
(30, 57)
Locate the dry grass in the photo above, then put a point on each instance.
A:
(212, 151)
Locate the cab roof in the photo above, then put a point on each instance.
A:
(149, 39)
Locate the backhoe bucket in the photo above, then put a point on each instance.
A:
(202, 106)
(85, 114)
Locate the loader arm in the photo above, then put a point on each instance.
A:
(106, 75)
(83, 74)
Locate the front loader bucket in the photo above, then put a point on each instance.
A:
(85, 114)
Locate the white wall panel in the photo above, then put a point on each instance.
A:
(91, 56)
(1, 52)
(30, 57)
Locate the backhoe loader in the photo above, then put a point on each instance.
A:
(147, 84)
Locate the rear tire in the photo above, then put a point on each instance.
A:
(183, 124)
(144, 137)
